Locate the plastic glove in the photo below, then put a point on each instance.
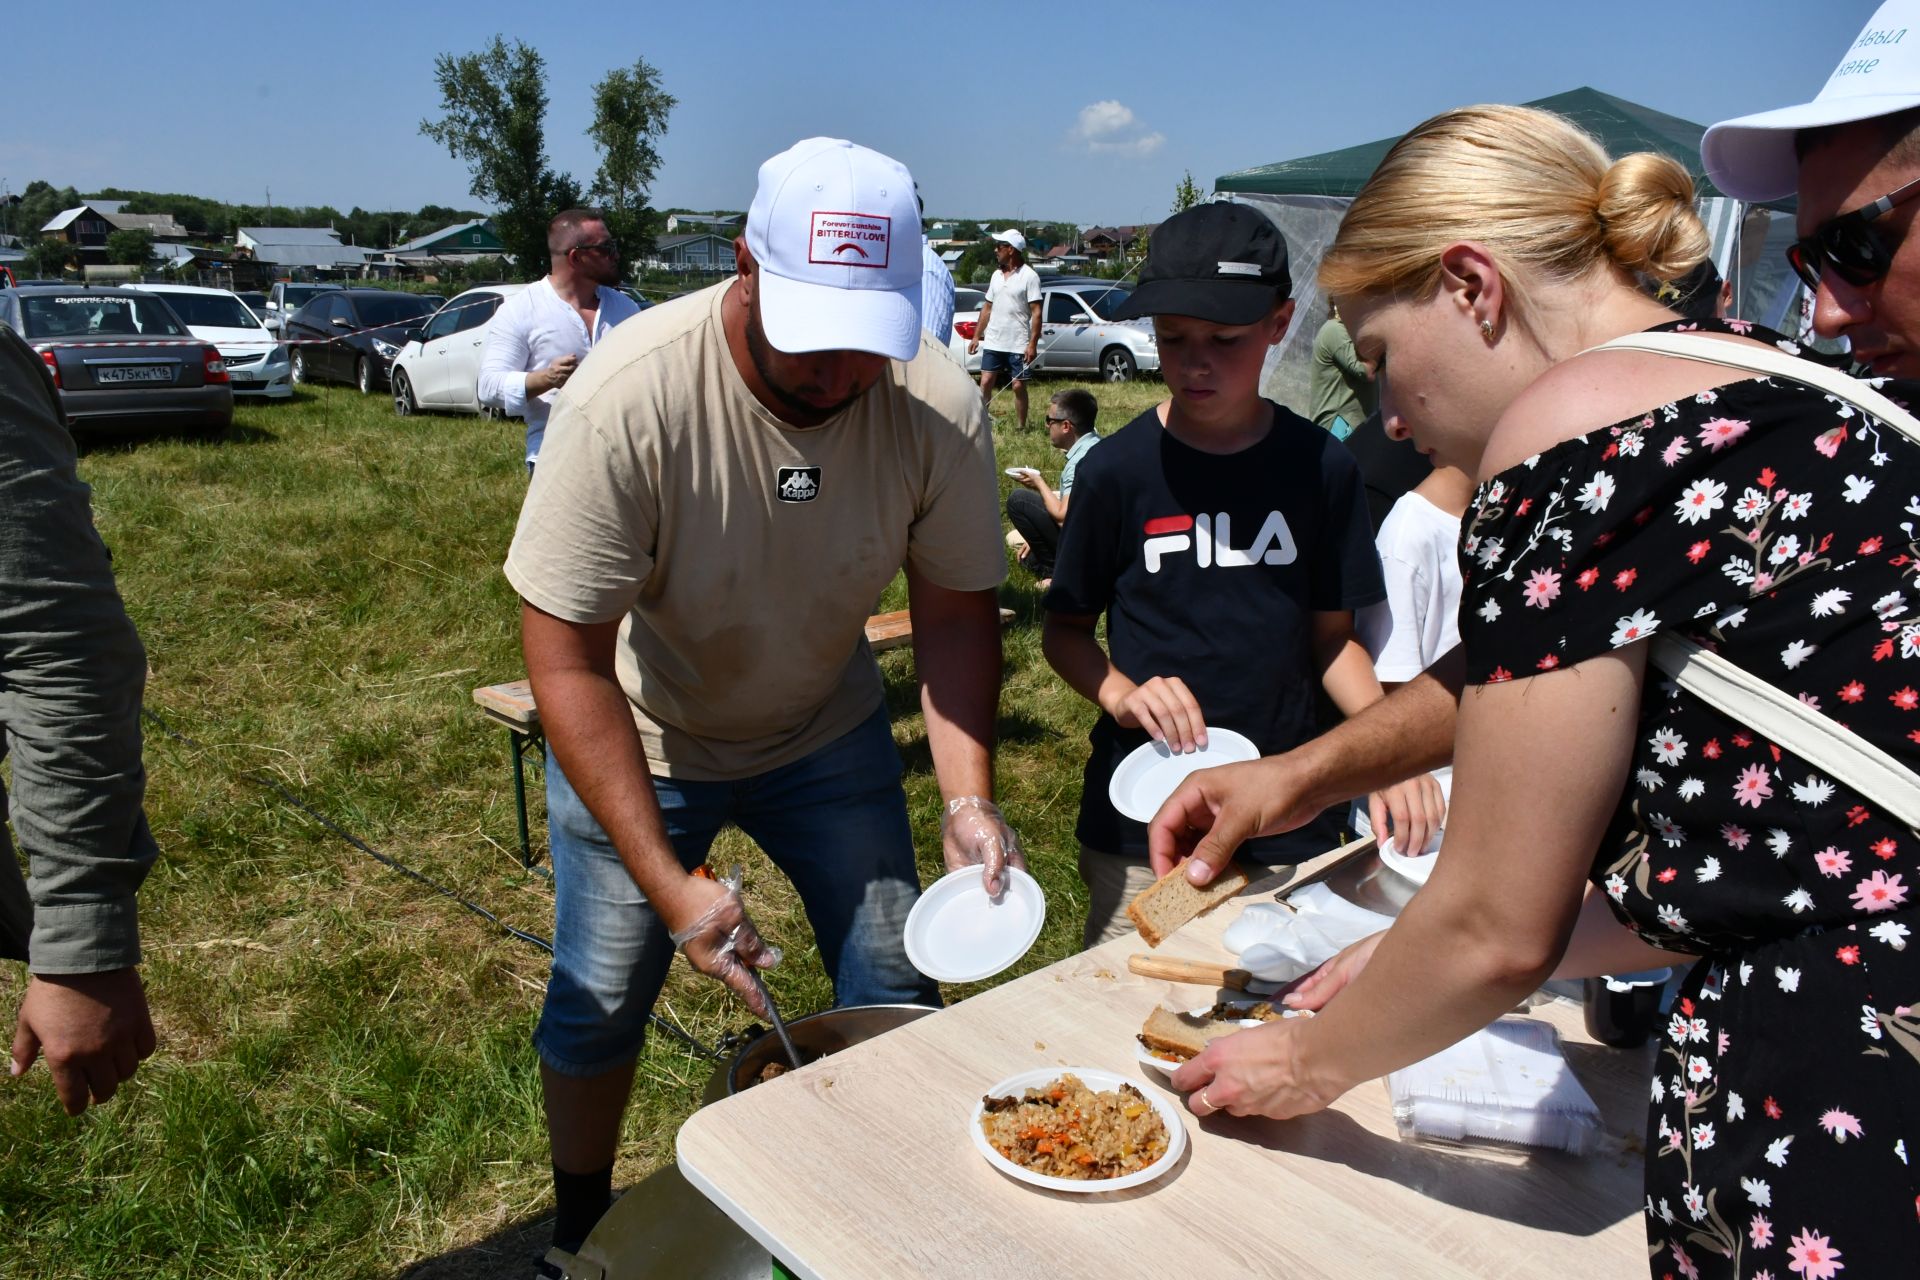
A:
(722, 942)
(972, 833)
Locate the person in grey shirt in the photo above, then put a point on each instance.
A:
(72, 672)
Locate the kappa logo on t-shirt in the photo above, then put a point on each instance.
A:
(798, 484)
(1210, 538)
(850, 239)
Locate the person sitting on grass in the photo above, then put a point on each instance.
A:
(1036, 510)
(1225, 537)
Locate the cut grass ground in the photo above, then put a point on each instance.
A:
(344, 1085)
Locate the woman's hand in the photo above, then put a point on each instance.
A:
(1331, 978)
(1256, 1072)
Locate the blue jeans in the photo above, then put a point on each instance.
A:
(835, 822)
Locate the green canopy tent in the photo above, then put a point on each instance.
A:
(1307, 197)
(1621, 126)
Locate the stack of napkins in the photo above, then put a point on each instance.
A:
(1278, 945)
(1508, 1083)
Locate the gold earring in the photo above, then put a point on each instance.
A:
(1486, 330)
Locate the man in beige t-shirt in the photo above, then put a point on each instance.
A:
(730, 481)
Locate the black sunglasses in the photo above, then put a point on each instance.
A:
(1051, 418)
(599, 246)
(1850, 244)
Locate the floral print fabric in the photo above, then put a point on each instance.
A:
(1776, 526)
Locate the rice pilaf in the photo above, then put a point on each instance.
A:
(1063, 1129)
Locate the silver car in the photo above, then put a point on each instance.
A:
(1078, 337)
(121, 358)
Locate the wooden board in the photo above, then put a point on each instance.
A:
(861, 1165)
(511, 704)
(891, 630)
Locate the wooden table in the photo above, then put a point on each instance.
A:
(861, 1165)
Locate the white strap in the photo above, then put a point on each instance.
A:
(1776, 363)
(1791, 724)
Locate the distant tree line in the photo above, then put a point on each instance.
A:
(215, 221)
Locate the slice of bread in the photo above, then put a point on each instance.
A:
(1171, 901)
(1182, 1035)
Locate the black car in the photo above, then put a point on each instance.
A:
(121, 358)
(352, 335)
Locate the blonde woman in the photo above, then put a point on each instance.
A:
(1624, 494)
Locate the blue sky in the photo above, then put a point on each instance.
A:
(1071, 112)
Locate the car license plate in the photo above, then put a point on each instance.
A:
(134, 373)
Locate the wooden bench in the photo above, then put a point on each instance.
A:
(512, 706)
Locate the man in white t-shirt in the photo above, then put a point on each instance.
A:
(731, 482)
(1009, 327)
(1419, 619)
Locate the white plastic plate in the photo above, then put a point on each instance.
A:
(1099, 1081)
(1151, 772)
(1412, 870)
(955, 933)
(1017, 472)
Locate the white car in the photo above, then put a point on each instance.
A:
(439, 366)
(256, 363)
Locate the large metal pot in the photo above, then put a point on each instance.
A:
(816, 1035)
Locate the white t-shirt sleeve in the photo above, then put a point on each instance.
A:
(1418, 621)
(1030, 280)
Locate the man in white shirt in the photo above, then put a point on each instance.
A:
(1009, 329)
(936, 290)
(539, 335)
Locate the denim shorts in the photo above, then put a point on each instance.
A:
(835, 822)
(1013, 363)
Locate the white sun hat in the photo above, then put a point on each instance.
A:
(1752, 158)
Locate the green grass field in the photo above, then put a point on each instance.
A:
(344, 1085)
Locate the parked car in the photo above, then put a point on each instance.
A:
(256, 303)
(639, 299)
(439, 363)
(121, 358)
(1077, 335)
(285, 298)
(256, 364)
(351, 335)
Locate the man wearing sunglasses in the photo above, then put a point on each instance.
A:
(1853, 157)
(539, 336)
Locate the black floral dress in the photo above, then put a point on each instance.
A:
(1776, 526)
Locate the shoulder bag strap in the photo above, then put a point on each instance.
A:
(1786, 721)
(1776, 363)
(1826, 744)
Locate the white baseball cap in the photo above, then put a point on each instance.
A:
(824, 227)
(1752, 158)
(1012, 237)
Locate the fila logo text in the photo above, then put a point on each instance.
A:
(1210, 538)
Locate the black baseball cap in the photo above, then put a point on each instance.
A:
(1221, 262)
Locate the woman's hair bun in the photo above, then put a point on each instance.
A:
(1647, 219)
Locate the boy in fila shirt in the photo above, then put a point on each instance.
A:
(1225, 537)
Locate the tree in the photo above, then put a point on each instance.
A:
(49, 258)
(495, 119)
(1186, 195)
(975, 264)
(630, 112)
(130, 248)
(967, 231)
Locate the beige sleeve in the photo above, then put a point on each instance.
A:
(955, 540)
(585, 542)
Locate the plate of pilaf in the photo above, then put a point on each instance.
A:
(1077, 1129)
